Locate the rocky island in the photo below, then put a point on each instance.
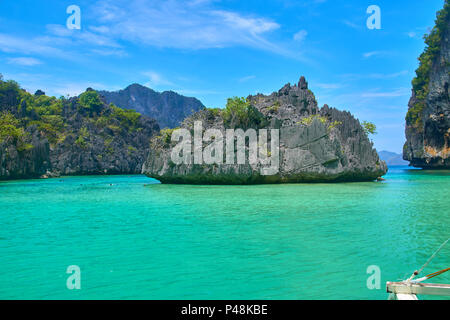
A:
(428, 117)
(315, 144)
(42, 136)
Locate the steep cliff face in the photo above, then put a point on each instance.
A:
(168, 108)
(315, 145)
(108, 144)
(428, 118)
(16, 163)
(45, 136)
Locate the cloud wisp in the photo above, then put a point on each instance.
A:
(372, 54)
(182, 25)
(24, 61)
(300, 35)
(377, 76)
(156, 79)
(110, 26)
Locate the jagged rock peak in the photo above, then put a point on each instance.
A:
(285, 90)
(302, 84)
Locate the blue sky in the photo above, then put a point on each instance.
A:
(214, 49)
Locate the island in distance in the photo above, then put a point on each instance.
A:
(315, 144)
(392, 158)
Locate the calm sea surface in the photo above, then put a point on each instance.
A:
(134, 238)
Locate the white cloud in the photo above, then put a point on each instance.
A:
(155, 79)
(358, 76)
(192, 25)
(54, 85)
(75, 89)
(109, 52)
(375, 53)
(175, 24)
(328, 85)
(81, 37)
(250, 25)
(247, 78)
(24, 61)
(387, 75)
(12, 44)
(351, 24)
(301, 35)
(387, 94)
(196, 92)
(59, 30)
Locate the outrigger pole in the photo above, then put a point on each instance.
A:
(409, 289)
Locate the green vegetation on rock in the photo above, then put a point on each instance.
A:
(128, 118)
(11, 132)
(307, 121)
(90, 101)
(239, 113)
(422, 80)
(369, 127)
(83, 136)
(73, 135)
(215, 112)
(274, 108)
(166, 135)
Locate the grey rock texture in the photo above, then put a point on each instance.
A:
(428, 144)
(32, 163)
(168, 108)
(89, 142)
(107, 150)
(332, 147)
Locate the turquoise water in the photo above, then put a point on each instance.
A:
(134, 238)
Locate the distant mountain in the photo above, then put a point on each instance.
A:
(392, 158)
(168, 108)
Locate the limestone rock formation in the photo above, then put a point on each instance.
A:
(16, 163)
(45, 136)
(315, 145)
(428, 118)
